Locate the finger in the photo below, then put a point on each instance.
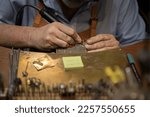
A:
(50, 46)
(60, 43)
(102, 49)
(98, 38)
(112, 43)
(64, 37)
(69, 31)
(95, 46)
(102, 44)
(47, 46)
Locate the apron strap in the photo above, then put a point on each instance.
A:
(38, 20)
(94, 18)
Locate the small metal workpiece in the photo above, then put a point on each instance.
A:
(38, 62)
(38, 83)
(63, 90)
(17, 83)
(49, 89)
(89, 88)
(25, 73)
(80, 87)
(71, 89)
(78, 48)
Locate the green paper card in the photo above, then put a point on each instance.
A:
(72, 62)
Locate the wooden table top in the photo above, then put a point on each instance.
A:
(4, 57)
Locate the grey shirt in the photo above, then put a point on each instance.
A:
(117, 17)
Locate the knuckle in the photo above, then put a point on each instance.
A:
(52, 30)
(53, 27)
(69, 39)
(72, 32)
(98, 36)
(55, 23)
(102, 44)
(96, 46)
(64, 45)
(101, 38)
(112, 35)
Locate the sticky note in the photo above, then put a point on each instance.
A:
(72, 62)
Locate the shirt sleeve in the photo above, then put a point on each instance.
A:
(7, 12)
(10, 8)
(131, 27)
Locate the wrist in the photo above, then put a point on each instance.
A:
(31, 37)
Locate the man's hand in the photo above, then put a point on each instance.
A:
(53, 35)
(101, 42)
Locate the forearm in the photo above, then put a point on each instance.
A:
(15, 36)
(50, 36)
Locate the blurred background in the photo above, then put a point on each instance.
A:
(144, 9)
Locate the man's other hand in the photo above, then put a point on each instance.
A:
(101, 42)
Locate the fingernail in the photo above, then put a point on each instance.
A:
(88, 41)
